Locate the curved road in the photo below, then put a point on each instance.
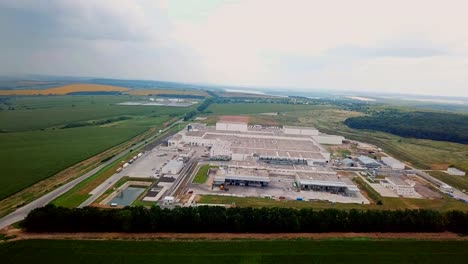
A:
(22, 212)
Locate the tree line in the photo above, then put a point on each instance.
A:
(425, 125)
(240, 220)
(201, 108)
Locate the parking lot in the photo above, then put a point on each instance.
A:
(147, 165)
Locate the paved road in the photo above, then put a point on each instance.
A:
(22, 212)
(98, 191)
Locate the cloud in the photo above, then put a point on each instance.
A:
(398, 51)
(416, 46)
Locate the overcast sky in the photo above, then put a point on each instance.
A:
(410, 46)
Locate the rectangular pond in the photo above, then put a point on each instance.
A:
(127, 196)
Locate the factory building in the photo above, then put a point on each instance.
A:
(368, 162)
(393, 163)
(398, 185)
(329, 139)
(456, 172)
(232, 126)
(233, 123)
(242, 176)
(174, 141)
(256, 153)
(172, 167)
(221, 150)
(325, 183)
(270, 145)
(297, 130)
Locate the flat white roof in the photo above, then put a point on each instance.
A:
(241, 178)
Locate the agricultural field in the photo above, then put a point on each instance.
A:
(252, 108)
(34, 113)
(63, 90)
(234, 251)
(44, 135)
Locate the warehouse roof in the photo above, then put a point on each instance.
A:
(367, 161)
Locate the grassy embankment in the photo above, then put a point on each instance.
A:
(202, 174)
(444, 204)
(36, 147)
(240, 251)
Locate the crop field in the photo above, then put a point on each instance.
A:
(33, 113)
(239, 251)
(252, 108)
(37, 146)
(72, 88)
(28, 157)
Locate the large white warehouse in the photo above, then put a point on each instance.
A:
(393, 163)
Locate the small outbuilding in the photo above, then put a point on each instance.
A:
(349, 163)
(456, 172)
(173, 167)
(369, 162)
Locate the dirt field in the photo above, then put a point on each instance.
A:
(235, 119)
(20, 235)
(82, 87)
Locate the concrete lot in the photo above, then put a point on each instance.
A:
(385, 192)
(147, 165)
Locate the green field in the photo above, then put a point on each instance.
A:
(28, 157)
(40, 112)
(36, 147)
(252, 108)
(202, 174)
(240, 251)
(444, 204)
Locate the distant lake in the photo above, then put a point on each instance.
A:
(244, 91)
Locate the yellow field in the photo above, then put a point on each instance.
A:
(160, 91)
(82, 87)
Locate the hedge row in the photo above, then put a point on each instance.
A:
(241, 220)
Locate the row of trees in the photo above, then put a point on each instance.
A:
(201, 108)
(260, 220)
(426, 125)
(95, 123)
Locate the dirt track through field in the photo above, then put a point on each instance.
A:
(20, 235)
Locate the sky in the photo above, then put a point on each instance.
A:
(398, 46)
